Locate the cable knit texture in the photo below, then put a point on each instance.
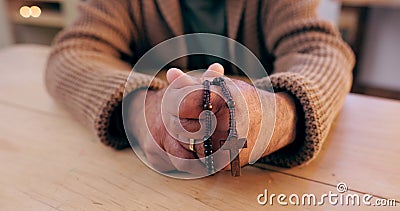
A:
(91, 61)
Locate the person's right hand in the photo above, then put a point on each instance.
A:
(162, 151)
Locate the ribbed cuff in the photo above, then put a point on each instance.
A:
(308, 138)
(109, 125)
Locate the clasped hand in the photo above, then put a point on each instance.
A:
(173, 115)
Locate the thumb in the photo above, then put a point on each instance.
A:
(178, 79)
(213, 71)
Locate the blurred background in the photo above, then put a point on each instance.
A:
(371, 27)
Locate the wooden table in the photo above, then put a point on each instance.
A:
(49, 162)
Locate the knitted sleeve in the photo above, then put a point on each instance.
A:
(85, 71)
(314, 65)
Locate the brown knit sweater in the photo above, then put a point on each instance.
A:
(92, 58)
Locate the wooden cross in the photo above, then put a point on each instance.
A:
(233, 144)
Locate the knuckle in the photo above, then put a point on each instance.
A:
(190, 125)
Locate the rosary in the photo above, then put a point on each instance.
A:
(233, 144)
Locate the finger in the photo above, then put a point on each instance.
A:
(188, 99)
(159, 161)
(192, 125)
(155, 156)
(182, 159)
(171, 107)
(173, 74)
(190, 108)
(199, 142)
(181, 129)
(192, 104)
(173, 147)
(214, 70)
(178, 79)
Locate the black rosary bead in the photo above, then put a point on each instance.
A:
(230, 104)
(217, 81)
(207, 146)
(207, 106)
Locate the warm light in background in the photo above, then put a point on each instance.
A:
(27, 12)
(36, 11)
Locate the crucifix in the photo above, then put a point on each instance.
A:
(233, 144)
